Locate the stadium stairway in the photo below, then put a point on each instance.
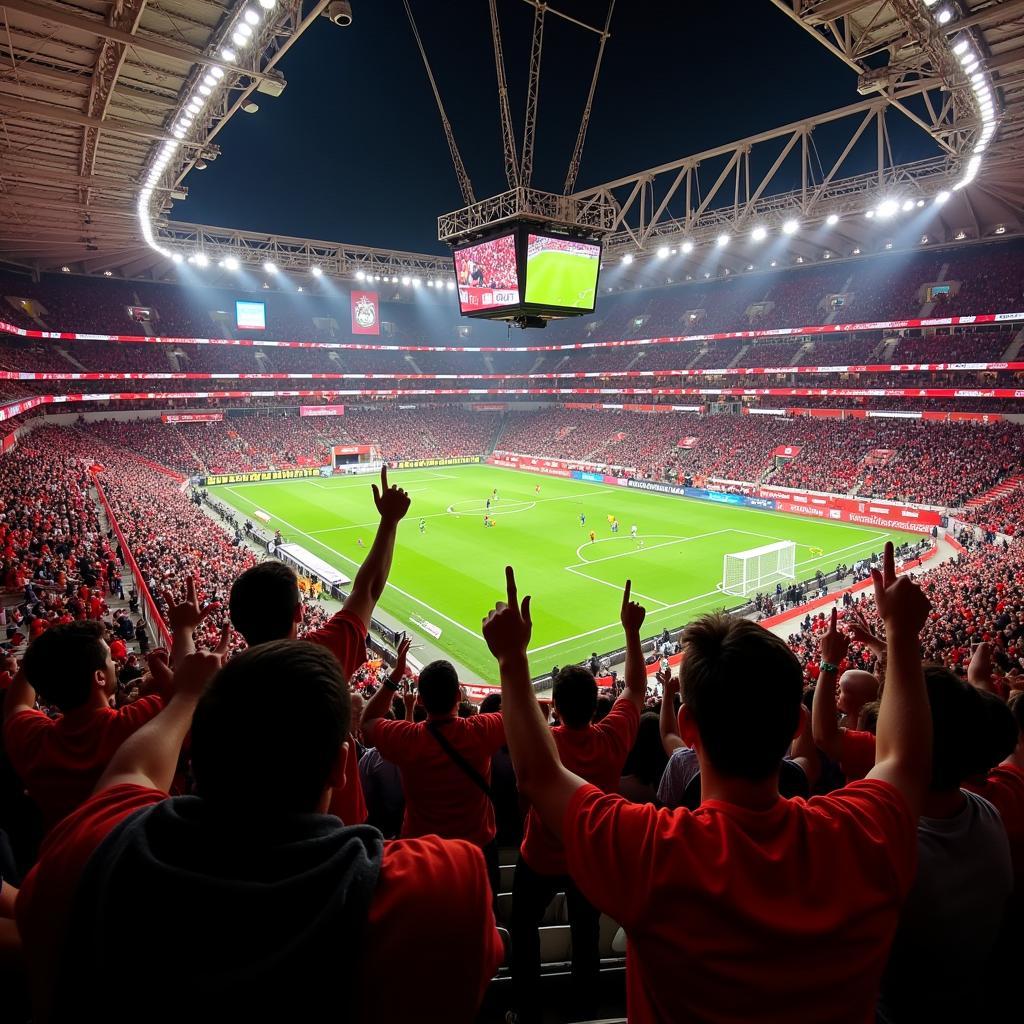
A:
(1008, 486)
(1014, 348)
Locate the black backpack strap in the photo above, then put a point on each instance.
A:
(477, 779)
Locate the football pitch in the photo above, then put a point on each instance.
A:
(450, 574)
(561, 279)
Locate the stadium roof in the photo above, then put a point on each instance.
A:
(93, 119)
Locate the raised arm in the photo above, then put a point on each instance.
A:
(824, 725)
(392, 504)
(803, 751)
(20, 695)
(668, 718)
(862, 632)
(541, 776)
(380, 703)
(632, 617)
(150, 755)
(979, 672)
(183, 615)
(904, 734)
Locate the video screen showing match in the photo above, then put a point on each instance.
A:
(487, 274)
(562, 272)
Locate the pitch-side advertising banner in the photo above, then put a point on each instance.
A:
(192, 417)
(321, 410)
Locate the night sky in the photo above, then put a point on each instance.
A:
(353, 149)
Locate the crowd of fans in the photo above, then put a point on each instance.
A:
(163, 793)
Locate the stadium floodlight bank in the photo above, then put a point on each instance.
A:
(746, 572)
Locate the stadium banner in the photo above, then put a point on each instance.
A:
(514, 462)
(534, 462)
(192, 417)
(460, 460)
(351, 449)
(365, 313)
(321, 410)
(489, 406)
(686, 442)
(779, 332)
(787, 451)
(9, 441)
(252, 478)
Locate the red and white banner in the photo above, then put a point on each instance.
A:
(365, 313)
(192, 417)
(351, 449)
(487, 298)
(321, 410)
(787, 451)
(864, 511)
(9, 442)
(554, 467)
(686, 442)
(780, 332)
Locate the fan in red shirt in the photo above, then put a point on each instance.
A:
(269, 897)
(595, 753)
(59, 759)
(445, 762)
(752, 907)
(265, 604)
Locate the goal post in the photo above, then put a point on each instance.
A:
(746, 572)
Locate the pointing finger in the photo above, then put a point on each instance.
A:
(510, 585)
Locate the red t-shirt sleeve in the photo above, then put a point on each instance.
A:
(886, 828)
(44, 902)
(432, 894)
(608, 840)
(345, 637)
(489, 730)
(138, 713)
(21, 732)
(856, 753)
(619, 727)
(390, 737)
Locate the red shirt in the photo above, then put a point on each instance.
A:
(345, 637)
(856, 753)
(440, 798)
(1004, 788)
(429, 892)
(595, 753)
(61, 760)
(749, 916)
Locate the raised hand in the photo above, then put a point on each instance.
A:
(631, 615)
(196, 670)
(834, 644)
(183, 611)
(669, 682)
(979, 672)
(404, 643)
(863, 633)
(901, 602)
(508, 627)
(391, 501)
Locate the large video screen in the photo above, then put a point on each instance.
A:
(250, 316)
(487, 275)
(561, 272)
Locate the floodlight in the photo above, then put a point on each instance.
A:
(177, 257)
(251, 16)
(945, 16)
(887, 208)
(316, 271)
(722, 240)
(941, 197)
(228, 55)
(270, 268)
(202, 260)
(832, 219)
(687, 247)
(662, 252)
(238, 39)
(627, 258)
(908, 205)
(230, 263)
(791, 227)
(760, 233)
(244, 30)
(267, 5)
(406, 280)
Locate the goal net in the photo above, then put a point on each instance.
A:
(746, 572)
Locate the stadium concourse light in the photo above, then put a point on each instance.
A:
(760, 233)
(627, 258)
(316, 271)
(270, 268)
(686, 248)
(791, 226)
(722, 240)
(832, 219)
(662, 252)
(230, 263)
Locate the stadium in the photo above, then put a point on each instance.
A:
(739, 402)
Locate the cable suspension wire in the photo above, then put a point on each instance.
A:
(465, 185)
(532, 92)
(577, 153)
(508, 138)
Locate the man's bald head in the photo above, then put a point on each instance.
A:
(856, 688)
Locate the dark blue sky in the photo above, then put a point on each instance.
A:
(353, 150)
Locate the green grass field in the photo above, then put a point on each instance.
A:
(561, 279)
(451, 574)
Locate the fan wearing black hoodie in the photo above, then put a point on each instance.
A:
(247, 901)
